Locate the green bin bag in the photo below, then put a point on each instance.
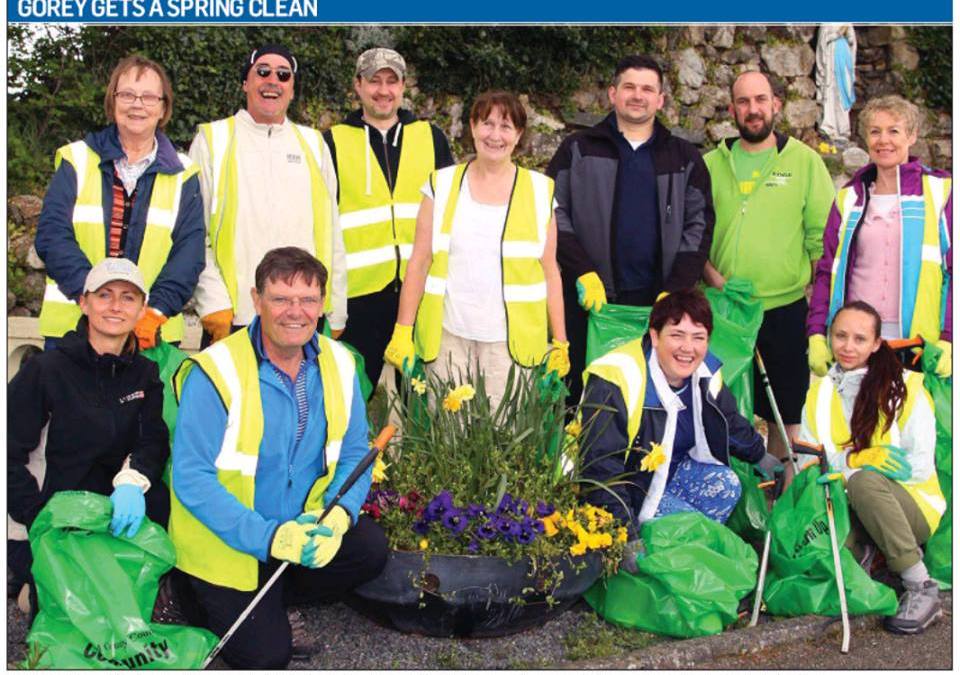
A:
(800, 579)
(168, 358)
(96, 592)
(749, 517)
(689, 583)
(939, 549)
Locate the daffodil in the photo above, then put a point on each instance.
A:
(455, 399)
(823, 147)
(654, 458)
(380, 469)
(550, 524)
(419, 385)
(579, 548)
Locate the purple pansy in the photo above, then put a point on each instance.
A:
(455, 520)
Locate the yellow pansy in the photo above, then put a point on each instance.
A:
(654, 458)
(424, 544)
(574, 428)
(621, 535)
(550, 524)
(579, 548)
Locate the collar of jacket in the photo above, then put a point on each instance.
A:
(911, 178)
(76, 346)
(106, 143)
(355, 119)
(310, 350)
(607, 128)
(651, 399)
(782, 140)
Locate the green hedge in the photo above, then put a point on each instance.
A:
(56, 79)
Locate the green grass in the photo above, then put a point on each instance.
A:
(593, 638)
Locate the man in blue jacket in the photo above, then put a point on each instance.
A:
(272, 421)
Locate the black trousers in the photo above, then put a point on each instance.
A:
(370, 326)
(263, 640)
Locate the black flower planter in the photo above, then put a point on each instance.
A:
(470, 596)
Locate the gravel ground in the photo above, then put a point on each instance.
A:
(351, 641)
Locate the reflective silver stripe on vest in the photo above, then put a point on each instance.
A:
(371, 257)
(230, 459)
(219, 131)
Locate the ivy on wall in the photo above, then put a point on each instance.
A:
(932, 80)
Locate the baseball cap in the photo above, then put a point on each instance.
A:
(113, 269)
(271, 48)
(377, 59)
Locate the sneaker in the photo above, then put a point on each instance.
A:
(306, 643)
(167, 608)
(919, 607)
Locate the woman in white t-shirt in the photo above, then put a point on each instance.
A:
(482, 288)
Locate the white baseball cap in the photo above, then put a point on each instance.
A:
(114, 269)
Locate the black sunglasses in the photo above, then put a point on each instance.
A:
(283, 74)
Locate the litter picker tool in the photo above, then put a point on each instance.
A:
(777, 483)
(821, 455)
(378, 445)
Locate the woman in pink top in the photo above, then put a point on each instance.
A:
(887, 240)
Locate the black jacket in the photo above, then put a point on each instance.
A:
(585, 171)
(605, 441)
(387, 152)
(95, 410)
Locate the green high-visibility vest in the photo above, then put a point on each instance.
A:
(60, 314)
(378, 226)
(231, 365)
(224, 198)
(524, 285)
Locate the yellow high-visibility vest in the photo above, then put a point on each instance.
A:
(524, 285)
(827, 423)
(378, 226)
(224, 199)
(231, 365)
(60, 314)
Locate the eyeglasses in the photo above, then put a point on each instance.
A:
(128, 97)
(283, 74)
(308, 304)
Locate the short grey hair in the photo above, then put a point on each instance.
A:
(895, 105)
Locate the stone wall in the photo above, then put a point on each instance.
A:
(700, 64)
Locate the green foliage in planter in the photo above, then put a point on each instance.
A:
(932, 81)
(453, 446)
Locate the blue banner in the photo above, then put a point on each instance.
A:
(539, 13)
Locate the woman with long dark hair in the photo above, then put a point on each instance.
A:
(876, 423)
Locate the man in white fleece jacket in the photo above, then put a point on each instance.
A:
(266, 182)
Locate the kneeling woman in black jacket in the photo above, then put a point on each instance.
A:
(674, 425)
(87, 416)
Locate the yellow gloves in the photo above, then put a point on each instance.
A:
(327, 534)
(399, 352)
(819, 355)
(292, 543)
(558, 358)
(889, 460)
(590, 292)
(945, 364)
(218, 324)
(148, 328)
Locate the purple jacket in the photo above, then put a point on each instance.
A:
(911, 183)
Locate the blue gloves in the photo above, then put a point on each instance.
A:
(129, 509)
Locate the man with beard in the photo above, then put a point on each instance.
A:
(634, 213)
(266, 182)
(383, 155)
(772, 194)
